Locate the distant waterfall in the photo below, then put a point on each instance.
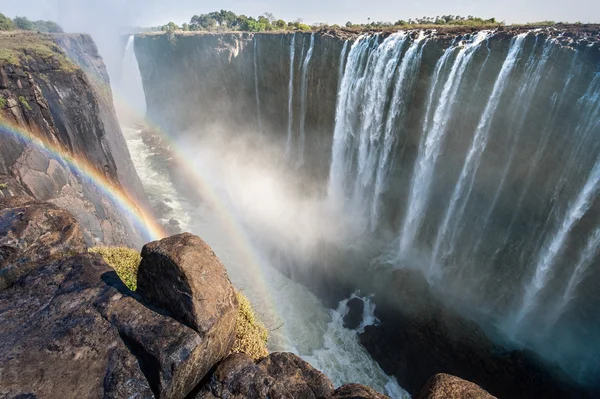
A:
(130, 102)
(463, 188)
(437, 117)
(260, 129)
(288, 145)
(303, 99)
(485, 165)
(364, 131)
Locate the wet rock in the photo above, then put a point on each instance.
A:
(356, 391)
(444, 386)
(279, 375)
(32, 232)
(53, 341)
(182, 275)
(354, 317)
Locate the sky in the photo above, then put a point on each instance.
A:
(79, 14)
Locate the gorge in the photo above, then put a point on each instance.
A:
(469, 157)
(397, 205)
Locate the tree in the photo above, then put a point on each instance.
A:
(401, 23)
(270, 17)
(280, 24)
(6, 23)
(349, 24)
(47, 27)
(23, 23)
(185, 26)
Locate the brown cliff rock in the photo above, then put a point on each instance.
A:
(445, 386)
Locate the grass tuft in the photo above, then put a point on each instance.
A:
(124, 260)
(250, 334)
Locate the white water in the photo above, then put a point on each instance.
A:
(303, 99)
(434, 131)
(130, 102)
(288, 144)
(260, 128)
(463, 187)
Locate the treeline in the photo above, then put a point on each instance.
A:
(444, 20)
(229, 21)
(23, 23)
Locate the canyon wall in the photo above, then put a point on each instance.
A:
(46, 94)
(473, 156)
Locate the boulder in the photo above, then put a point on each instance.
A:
(279, 375)
(356, 391)
(445, 386)
(53, 342)
(354, 317)
(32, 232)
(182, 275)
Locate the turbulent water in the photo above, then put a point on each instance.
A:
(491, 177)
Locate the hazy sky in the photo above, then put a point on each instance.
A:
(76, 14)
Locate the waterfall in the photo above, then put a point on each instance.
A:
(288, 146)
(342, 64)
(366, 127)
(130, 103)
(434, 129)
(260, 129)
(467, 176)
(303, 98)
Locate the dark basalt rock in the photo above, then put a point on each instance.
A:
(356, 391)
(444, 386)
(354, 317)
(279, 375)
(52, 341)
(184, 276)
(32, 232)
(419, 337)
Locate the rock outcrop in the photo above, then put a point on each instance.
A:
(70, 325)
(444, 386)
(45, 94)
(32, 232)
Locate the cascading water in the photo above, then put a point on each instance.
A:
(260, 129)
(501, 201)
(435, 127)
(288, 144)
(303, 99)
(466, 179)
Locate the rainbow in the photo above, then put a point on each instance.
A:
(143, 219)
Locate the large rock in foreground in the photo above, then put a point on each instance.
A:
(444, 386)
(279, 375)
(183, 275)
(31, 232)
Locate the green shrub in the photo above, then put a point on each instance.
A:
(3, 186)
(124, 260)
(250, 334)
(2, 102)
(25, 103)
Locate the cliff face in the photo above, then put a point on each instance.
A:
(45, 93)
(239, 82)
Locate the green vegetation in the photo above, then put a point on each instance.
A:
(2, 102)
(224, 21)
(6, 23)
(3, 186)
(23, 23)
(24, 102)
(25, 46)
(250, 334)
(124, 260)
